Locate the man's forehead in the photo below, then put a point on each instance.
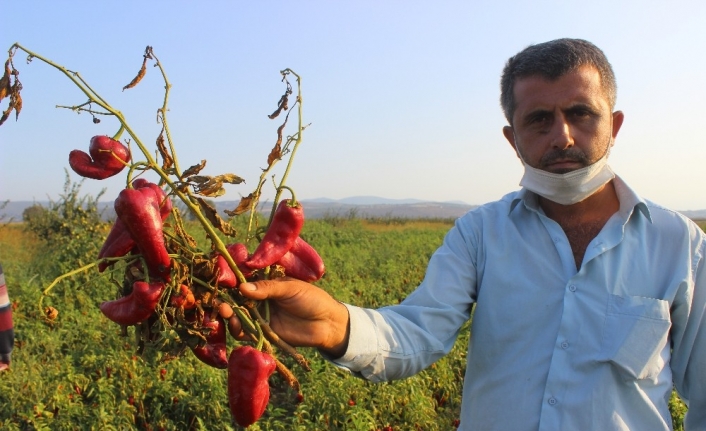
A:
(581, 85)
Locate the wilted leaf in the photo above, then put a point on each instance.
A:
(212, 215)
(208, 186)
(167, 159)
(5, 115)
(143, 69)
(17, 103)
(242, 207)
(281, 105)
(276, 152)
(231, 179)
(181, 233)
(5, 81)
(199, 179)
(193, 170)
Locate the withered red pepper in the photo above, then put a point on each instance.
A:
(107, 158)
(138, 209)
(248, 388)
(119, 242)
(214, 352)
(286, 224)
(303, 262)
(135, 307)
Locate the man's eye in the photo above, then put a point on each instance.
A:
(540, 119)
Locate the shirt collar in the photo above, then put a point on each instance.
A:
(629, 200)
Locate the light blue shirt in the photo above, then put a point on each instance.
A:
(553, 348)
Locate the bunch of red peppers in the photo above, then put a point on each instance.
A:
(137, 236)
(166, 282)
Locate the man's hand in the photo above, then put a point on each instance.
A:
(302, 314)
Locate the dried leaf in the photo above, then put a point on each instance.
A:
(143, 70)
(212, 215)
(168, 162)
(199, 179)
(181, 233)
(5, 82)
(212, 187)
(276, 152)
(5, 115)
(231, 179)
(140, 75)
(282, 105)
(17, 103)
(193, 170)
(242, 207)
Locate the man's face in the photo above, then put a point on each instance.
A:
(562, 125)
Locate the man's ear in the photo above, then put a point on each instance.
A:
(618, 118)
(510, 136)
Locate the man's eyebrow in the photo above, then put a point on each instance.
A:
(585, 107)
(535, 114)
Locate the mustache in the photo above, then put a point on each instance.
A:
(570, 154)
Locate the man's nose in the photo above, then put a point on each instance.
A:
(561, 134)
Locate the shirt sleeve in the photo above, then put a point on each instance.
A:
(399, 341)
(7, 334)
(688, 360)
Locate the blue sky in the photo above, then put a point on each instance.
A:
(402, 96)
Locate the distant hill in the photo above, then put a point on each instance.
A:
(362, 207)
(358, 206)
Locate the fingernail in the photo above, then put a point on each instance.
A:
(249, 287)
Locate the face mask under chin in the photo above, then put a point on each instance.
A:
(571, 187)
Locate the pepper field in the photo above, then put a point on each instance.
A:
(81, 373)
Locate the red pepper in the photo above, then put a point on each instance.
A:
(107, 158)
(303, 262)
(225, 276)
(165, 204)
(214, 352)
(138, 209)
(119, 242)
(135, 307)
(248, 388)
(280, 236)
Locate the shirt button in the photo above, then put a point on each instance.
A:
(572, 288)
(552, 401)
(564, 345)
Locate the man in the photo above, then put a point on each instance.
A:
(7, 333)
(590, 301)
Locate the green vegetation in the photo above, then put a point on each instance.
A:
(81, 372)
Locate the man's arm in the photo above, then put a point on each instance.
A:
(689, 344)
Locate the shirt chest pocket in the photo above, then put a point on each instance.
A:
(636, 332)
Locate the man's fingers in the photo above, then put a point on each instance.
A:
(270, 289)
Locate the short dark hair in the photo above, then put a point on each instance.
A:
(552, 60)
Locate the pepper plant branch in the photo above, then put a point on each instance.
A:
(298, 139)
(48, 289)
(151, 163)
(69, 74)
(163, 113)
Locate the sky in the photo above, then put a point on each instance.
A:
(401, 96)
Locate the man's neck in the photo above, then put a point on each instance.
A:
(599, 206)
(583, 221)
